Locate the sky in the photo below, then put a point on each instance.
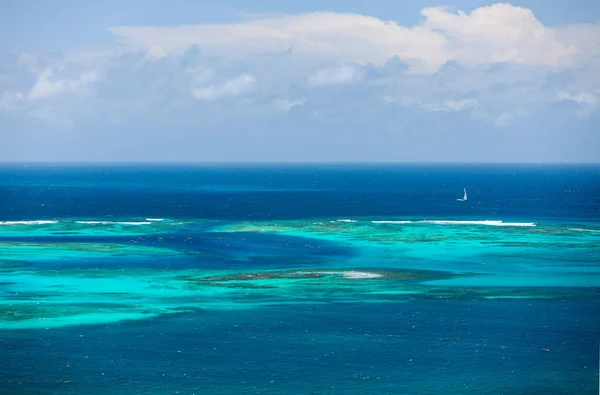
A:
(303, 81)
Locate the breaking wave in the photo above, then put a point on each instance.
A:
(51, 222)
(392, 222)
(485, 222)
(449, 222)
(39, 222)
(113, 222)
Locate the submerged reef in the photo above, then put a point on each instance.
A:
(113, 271)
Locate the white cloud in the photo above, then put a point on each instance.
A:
(452, 105)
(48, 85)
(495, 34)
(334, 76)
(286, 105)
(233, 87)
(437, 106)
(349, 38)
(581, 98)
(499, 33)
(587, 101)
(444, 64)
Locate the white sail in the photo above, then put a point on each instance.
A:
(464, 197)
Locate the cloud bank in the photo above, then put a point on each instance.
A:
(496, 65)
(495, 34)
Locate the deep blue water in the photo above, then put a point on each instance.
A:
(433, 348)
(293, 191)
(399, 347)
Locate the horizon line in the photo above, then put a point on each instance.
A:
(292, 163)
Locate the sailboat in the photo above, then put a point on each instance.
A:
(464, 199)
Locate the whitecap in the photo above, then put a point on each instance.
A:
(38, 222)
(392, 222)
(456, 222)
(112, 223)
(484, 222)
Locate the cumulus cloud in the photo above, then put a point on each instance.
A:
(348, 38)
(497, 34)
(491, 60)
(436, 106)
(334, 76)
(587, 101)
(580, 98)
(232, 87)
(48, 85)
(494, 34)
(452, 105)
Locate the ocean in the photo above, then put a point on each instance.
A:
(299, 279)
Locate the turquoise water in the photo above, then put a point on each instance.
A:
(278, 282)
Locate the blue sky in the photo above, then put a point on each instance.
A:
(351, 81)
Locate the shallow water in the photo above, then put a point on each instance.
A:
(279, 282)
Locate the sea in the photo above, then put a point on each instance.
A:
(299, 279)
